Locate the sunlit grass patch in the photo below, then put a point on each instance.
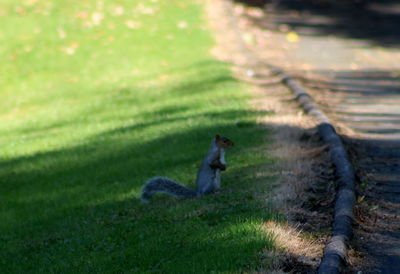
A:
(99, 96)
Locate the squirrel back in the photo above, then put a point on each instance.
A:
(208, 177)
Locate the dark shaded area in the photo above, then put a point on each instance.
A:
(392, 265)
(374, 21)
(377, 164)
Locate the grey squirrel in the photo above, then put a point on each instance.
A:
(208, 177)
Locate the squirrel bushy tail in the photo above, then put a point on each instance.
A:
(161, 184)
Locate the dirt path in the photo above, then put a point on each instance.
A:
(347, 58)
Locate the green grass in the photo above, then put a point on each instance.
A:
(96, 98)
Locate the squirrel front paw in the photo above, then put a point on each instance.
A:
(218, 165)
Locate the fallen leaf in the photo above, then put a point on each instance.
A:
(20, 10)
(82, 15)
(97, 17)
(163, 77)
(182, 25)
(248, 38)
(292, 37)
(118, 11)
(132, 24)
(250, 73)
(69, 51)
(61, 33)
(30, 2)
(255, 12)
(74, 45)
(28, 48)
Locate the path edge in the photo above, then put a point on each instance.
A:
(335, 255)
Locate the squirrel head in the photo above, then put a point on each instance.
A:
(223, 142)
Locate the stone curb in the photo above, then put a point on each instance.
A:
(335, 253)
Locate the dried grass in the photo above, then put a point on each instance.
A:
(289, 239)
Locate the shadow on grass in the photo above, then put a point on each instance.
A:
(82, 202)
(76, 209)
(377, 22)
(208, 75)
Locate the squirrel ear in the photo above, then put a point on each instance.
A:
(217, 137)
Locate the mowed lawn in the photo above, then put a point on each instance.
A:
(96, 98)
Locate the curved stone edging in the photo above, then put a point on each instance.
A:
(335, 253)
